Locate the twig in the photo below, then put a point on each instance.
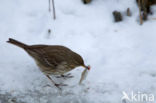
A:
(49, 6)
(141, 21)
(54, 14)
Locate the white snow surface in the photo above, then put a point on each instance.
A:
(122, 55)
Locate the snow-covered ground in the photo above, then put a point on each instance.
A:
(122, 55)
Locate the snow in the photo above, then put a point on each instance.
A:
(122, 55)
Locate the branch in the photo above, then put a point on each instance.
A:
(54, 14)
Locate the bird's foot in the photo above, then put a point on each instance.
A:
(65, 76)
(59, 85)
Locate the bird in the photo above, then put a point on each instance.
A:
(52, 59)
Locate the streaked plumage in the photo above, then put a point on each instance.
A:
(52, 59)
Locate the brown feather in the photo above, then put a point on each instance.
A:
(52, 59)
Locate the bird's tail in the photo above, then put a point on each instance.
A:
(17, 43)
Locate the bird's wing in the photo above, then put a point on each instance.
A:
(53, 58)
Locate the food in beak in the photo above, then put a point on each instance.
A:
(84, 75)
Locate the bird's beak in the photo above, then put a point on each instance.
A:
(87, 67)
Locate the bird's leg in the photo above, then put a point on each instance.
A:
(57, 85)
(65, 76)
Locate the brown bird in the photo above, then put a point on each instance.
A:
(52, 59)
